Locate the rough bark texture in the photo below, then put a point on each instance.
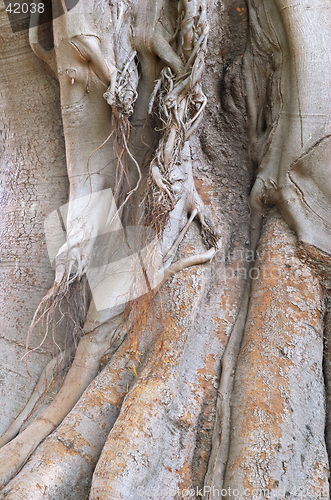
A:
(278, 424)
(33, 183)
(160, 419)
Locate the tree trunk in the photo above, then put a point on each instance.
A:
(33, 183)
(216, 384)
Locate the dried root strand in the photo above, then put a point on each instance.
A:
(178, 101)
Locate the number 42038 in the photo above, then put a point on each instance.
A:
(24, 8)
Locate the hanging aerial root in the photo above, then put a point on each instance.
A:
(59, 303)
(179, 102)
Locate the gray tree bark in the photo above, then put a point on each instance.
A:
(217, 385)
(33, 183)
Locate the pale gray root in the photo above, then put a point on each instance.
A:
(83, 370)
(144, 455)
(290, 140)
(278, 401)
(193, 260)
(221, 435)
(38, 394)
(90, 350)
(222, 427)
(94, 73)
(98, 76)
(76, 444)
(48, 56)
(81, 432)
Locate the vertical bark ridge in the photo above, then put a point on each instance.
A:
(277, 430)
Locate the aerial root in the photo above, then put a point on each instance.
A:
(179, 103)
(193, 260)
(39, 392)
(83, 370)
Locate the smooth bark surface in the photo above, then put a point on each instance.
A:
(220, 378)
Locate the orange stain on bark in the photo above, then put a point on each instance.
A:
(280, 303)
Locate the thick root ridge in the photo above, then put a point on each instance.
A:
(175, 96)
(84, 369)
